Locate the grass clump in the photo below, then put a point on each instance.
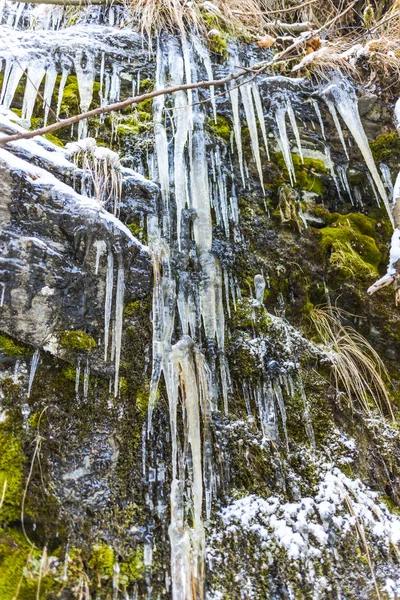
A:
(356, 366)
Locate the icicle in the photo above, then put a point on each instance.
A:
(51, 76)
(387, 177)
(259, 285)
(35, 74)
(373, 188)
(204, 54)
(336, 121)
(63, 81)
(202, 226)
(226, 289)
(260, 115)
(306, 414)
(234, 95)
(115, 582)
(342, 170)
(283, 140)
(119, 311)
(102, 99)
(331, 168)
(108, 300)
(101, 249)
(295, 129)
(318, 113)
(77, 378)
(86, 374)
(282, 409)
(12, 83)
(181, 115)
(247, 100)
(34, 364)
(3, 289)
(264, 398)
(7, 70)
(84, 68)
(161, 143)
(346, 103)
(18, 13)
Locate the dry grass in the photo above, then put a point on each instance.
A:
(356, 366)
(156, 15)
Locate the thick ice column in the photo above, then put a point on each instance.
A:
(119, 311)
(51, 76)
(35, 74)
(283, 140)
(247, 100)
(161, 142)
(259, 286)
(182, 120)
(16, 73)
(293, 122)
(260, 114)
(85, 73)
(63, 81)
(108, 301)
(202, 226)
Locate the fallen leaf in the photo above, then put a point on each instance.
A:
(266, 41)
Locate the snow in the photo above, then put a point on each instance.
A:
(304, 529)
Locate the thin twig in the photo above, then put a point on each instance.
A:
(276, 12)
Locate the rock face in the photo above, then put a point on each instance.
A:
(51, 238)
(235, 440)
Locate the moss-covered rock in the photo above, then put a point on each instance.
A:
(76, 340)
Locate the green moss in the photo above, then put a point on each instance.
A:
(11, 475)
(386, 148)
(142, 399)
(102, 561)
(146, 86)
(218, 43)
(54, 139)
(146, 107)
(134, 124)
(132, 308)
(76, 340)
(345, 259)
(17, 578)
(222, 128)
(364, 245)
(11, 348)
(70, 104)
(132, 568)
(69, 372)
(309, 175)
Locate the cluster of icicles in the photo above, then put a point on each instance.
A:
(198, 180)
